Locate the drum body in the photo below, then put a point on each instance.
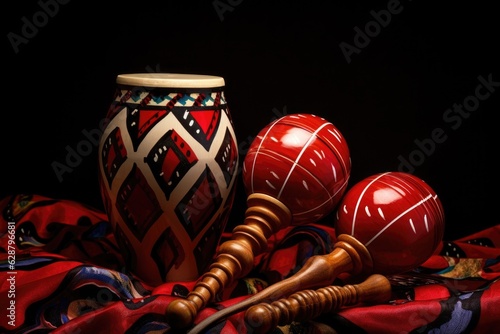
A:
(168, 160)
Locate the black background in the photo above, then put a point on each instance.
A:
(276, 57)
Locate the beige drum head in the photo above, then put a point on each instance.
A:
(170, 80)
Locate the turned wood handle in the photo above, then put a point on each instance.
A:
(235, 258)
(309, 304)
(348, 255)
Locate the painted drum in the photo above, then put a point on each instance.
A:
(168, 161)
(397, 216)
(302, 160)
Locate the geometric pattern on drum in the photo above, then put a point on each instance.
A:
(114, 154)
(169, 160)
(141, 121)
(200, 123)
(167, 252)
(167, 98)
(199, 204)
(208, 243)
(227, 157)
(137, 204)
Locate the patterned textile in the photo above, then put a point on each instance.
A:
(62, 272)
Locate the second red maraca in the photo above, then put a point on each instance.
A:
(397, 216)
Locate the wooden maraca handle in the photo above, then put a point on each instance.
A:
(297, 167)
(235, 258)
(309, 304)
(349, 255)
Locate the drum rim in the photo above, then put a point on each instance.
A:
(170, 80)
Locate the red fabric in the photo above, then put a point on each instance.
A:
(61, 271)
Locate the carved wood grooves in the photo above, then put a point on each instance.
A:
(348, 256)
(264, 216)
(308, 304)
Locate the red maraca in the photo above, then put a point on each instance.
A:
(303, 161)
(295, 172)
(386, 224)
(397, 216)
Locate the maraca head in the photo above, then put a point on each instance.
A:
(302, 160)
(397, 216)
